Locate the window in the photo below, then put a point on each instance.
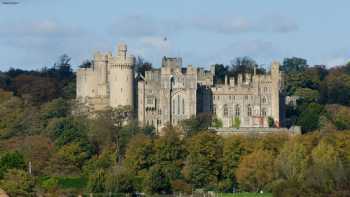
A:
(264, 99)
(183, 106)
(249, 110)
(246, 97)
(225, 111)
(178, 104)
(214, 109)
(173, 106)
(264, 113)
(237, 110)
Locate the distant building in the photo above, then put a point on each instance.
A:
(172, 93)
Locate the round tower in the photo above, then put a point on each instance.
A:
(121, 78)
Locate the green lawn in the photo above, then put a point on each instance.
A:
(244, 194)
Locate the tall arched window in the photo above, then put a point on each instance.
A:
(178, 104)
(237, 110)
(183, 106)
(249, 110)
(263, 111)
(264, 99)
(225, 111)
(173, 106)
(214, 109)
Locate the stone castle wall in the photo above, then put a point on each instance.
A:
(172, 93)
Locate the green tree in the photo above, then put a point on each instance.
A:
(204, 161)
(232, 153)
(97, 182)
(236, 123)
(120, 180)
(11, 160)
(68, 160)
(309, 119)
(18, 183)
(138, 156)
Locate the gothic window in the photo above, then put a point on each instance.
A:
(237, 110)
(214, 109)
(178, 104)
(249, 110)
(183, 106)
(173, 106)
(264, 100)
(264, 113)
(225, 111)
(265, 89)
(230, 97)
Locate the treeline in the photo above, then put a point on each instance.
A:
(69, 154)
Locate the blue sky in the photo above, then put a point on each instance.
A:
(35, 32)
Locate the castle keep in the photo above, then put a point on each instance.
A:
(173, 93)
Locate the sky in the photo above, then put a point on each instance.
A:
(34, 33)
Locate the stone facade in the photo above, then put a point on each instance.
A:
(109, 82)
(248, 101)
(172, 93)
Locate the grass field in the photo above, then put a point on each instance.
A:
(244, 194)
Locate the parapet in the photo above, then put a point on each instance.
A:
(100, 57)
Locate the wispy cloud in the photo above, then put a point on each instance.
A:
(139, 26)
(235, 25)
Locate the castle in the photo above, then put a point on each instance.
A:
(172, 93)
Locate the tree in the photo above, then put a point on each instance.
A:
(236, 123)
(217, 123)
(309, 119)
(35, 89)
(244, 65)
(220, 72)
(169, 157)
(204, 161)
(142, 66)
(338, 87)
(97, 182)
(255, 171)
(197, 123)
(18, 183)
(156, 181)
(120, 180)
(11, 160)
(68, 160)
(138, 156)
(86, 64)
(37, 149)
(271, 122)
(292, 162)
(294, 64)
(232, 153)
(326, 175)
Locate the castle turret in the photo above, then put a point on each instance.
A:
(121, 78)
(100, 65)
(275, 90)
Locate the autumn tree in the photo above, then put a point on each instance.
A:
(255, 171)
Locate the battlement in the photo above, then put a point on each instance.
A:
(98, 56)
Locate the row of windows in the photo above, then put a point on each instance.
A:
(237, 110)
(230, 97)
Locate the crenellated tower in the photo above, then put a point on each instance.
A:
(121, 78)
